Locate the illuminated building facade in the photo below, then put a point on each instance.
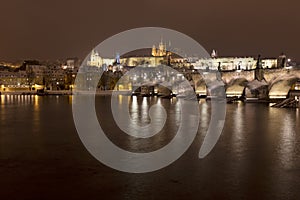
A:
(95, 59)
(233, 63)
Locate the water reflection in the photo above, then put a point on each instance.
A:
(19, 100)
(134, 107)
(145, 110)
(36, 113)
(238, 128)
(286, 148)
(2, 99)
(36, 102)
(70, 99)
(204, 114)
(240, 163)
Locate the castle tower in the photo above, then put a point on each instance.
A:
(153, 53)
(161, 51)
(161, 48)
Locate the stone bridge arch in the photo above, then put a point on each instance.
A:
(236, 87)
(277, 83)
(279, 87)
(229, 76)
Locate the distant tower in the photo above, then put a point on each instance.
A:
(281, 61)
(153, 53)
(161, 51)
(214, 54)
(95, 59)
(118, 58)
(161, 48)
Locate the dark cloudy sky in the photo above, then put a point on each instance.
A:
(51, 29)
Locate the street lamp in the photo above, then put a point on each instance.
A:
(289, 63)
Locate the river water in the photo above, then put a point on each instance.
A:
(42, 157)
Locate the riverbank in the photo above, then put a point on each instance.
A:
(274, 102)
(61, 92)
(26, 92)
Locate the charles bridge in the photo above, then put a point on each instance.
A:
(253, 84)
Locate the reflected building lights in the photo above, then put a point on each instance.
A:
(177, 112)
(204, 117)
(120, 99)
(70, 99)
(36, 102)
(134, 108)
(144, 110)
(36, 114)
(2, 99)
(9, 99)
(238, 135)
(287, 141)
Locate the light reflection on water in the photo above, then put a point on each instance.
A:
(238, 125)
(286, 148)
(241, 118)
(134, 108)
(204, 115)
(2, 99)
(144, 111)
(258, 151)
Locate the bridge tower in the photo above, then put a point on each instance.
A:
(281, 61)
(259, 73)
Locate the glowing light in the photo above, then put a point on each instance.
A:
(2, 99)
(277, 97)
(36, 101)
(120, 99)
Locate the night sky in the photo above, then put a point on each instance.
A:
(57, 29)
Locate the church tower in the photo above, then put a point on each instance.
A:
(95, 59)
(161, 51)
(153, 53)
